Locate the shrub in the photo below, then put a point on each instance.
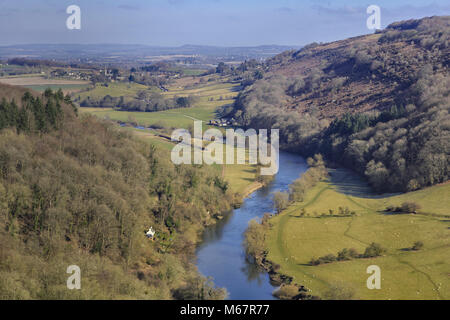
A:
(410, 207)
(280, 201)
(390, 208)
(417, 245)
(344, 254)
(353, 253)
(287, 292)
(254, 240)
(329, 258)
(374, 250)
(325, 259)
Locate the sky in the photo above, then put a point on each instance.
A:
(201, 22)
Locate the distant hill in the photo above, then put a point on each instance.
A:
(378, 104)
(122, 51)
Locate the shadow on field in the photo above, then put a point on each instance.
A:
(349, 183)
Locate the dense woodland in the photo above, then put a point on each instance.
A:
(77, 191)
(377, 104)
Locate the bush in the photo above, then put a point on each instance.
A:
(374, 250)
(406, 207)
(280, 201)
(314, 262)
(410, 207)
(417, 245)
(353, 253)
(322, 260)
(286, 292)
(254, 240)
(329, 258)
(343, 255)
(347, 254)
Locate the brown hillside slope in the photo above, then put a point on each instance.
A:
(366, 72)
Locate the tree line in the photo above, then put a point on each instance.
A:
(41, 113)
(144, 102)
(297, 189)
(372, 251)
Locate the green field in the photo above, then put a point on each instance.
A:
(173, 118)
(55, 87)
(39, 83)
(114, 89)
(204, 109)
(240, 177)
(215, 90)
(406, 274)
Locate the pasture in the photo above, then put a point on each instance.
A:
(114, 89)
(406, 274)
(40, 84)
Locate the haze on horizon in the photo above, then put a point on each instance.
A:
(201, 22)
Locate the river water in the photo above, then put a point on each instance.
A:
(221, 254)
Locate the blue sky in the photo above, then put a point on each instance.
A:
(205, 22)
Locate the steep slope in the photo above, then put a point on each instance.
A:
(366, 72)
(377, 103)
(76, 191)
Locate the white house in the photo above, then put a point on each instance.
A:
(150, 233)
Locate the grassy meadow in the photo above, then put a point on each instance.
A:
(40, 84)
(114, 89)
(406, 274)
(210, 96)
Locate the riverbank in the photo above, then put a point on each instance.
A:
(221, 255)
(252, 188)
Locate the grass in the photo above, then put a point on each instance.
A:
(114, 89)
(64, 87)
(204, 109)
(40, 84)
(209, 90)
(432, 200)
(406, 274)
(241, 177)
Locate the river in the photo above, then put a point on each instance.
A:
(221, 255)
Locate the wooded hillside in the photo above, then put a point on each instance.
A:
(378, 104)
(77, 191)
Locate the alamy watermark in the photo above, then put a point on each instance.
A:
(73, 22)
(374, 20)
(374, 281)
(191, 150)
(74, 281)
